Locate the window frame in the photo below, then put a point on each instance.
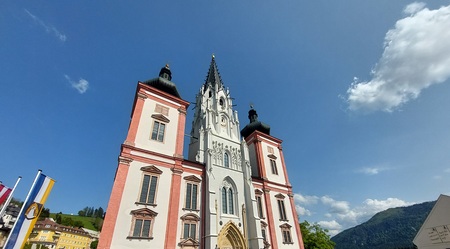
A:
(286, 233)
(273, 166)
(143, 215)
(188, 196)
(226, 160)
(228, 197)
(153, 173)
(260, 207)
(259, 203)
(281, 207)
(158, 135)
(189, 220)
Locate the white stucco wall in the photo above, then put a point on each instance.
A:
(131, 196)
(144, 132)
(280, 168)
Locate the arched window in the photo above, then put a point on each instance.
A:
(228, 198)
(226, 160)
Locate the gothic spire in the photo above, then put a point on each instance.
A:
(213, 76)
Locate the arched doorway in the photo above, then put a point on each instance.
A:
(231, 238)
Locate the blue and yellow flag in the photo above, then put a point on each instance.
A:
(30, 211)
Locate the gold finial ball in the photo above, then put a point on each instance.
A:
(213, 56)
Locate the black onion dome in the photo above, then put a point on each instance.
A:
(254, 125)
(164, 83)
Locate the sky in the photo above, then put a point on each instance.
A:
(357, 90)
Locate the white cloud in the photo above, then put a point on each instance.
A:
(48, 28)
(302, 211)
(369, 208)
(81, 85)
(372, 170)
(414, 8)
(305, 199)
(447, 170)
(338, 207)
(416, 55)
(340, 214)
(332, 226)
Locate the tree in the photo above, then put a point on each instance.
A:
(67, 221)
(94, 244)
(45, 213)
(58, 218)
(314, 237)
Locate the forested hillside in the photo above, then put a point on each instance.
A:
(394, 228)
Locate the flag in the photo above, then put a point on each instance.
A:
(4, 193)
(30, 211)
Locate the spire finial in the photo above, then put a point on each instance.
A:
(213, 76)
(165, 72)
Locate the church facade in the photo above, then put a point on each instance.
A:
(232, 192)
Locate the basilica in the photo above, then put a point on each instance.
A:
(232, 192)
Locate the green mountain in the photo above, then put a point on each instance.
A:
(394, 228)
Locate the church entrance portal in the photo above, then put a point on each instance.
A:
(231, 238)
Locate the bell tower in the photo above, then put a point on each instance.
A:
(213, 113)
(216, 142)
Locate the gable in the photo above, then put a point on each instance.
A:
(435, 230)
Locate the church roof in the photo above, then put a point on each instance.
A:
(213, 76)
(164, 83)
(254, 125)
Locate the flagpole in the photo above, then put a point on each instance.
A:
(23, 206)
(2, 212)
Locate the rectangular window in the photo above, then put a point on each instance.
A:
(142, 228)
(148, 190)
(273, 164)
(230, 201)
(191, 196)
(260, 208)
(224, 201)
(287, 236)
(282, 210)
(158, 131)
(189, 231)
(263, 231)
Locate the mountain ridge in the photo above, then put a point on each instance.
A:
(393, 228)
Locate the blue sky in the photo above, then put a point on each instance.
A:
(357, 90)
